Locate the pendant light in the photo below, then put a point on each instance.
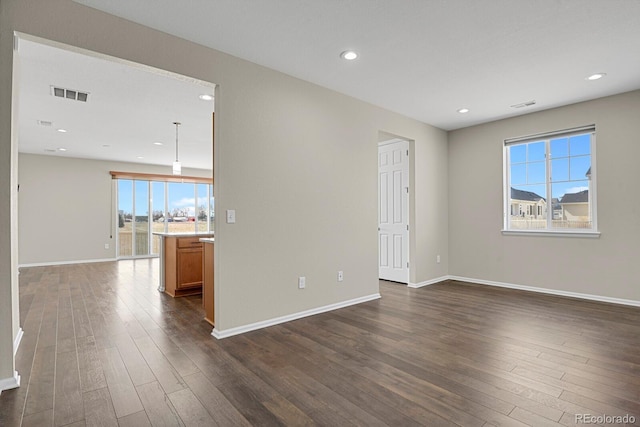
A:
(177, 167)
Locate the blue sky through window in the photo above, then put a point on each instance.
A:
(181, 196)
(570, 162)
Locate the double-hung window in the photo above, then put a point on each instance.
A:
(550, 182)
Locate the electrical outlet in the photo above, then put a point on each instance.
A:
(106, 246)
(340, 276)
(302, 282)
(438, 259)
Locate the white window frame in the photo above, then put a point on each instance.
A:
(546, 137)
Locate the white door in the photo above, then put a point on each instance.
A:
(393, 210)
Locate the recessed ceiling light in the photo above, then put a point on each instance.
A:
(62, 130)
(139, 157)
(157, 143)
(349, 55)
(206, 97)
(463, 110)
(62, 149)
(596, 76)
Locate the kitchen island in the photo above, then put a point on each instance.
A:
(181, 266)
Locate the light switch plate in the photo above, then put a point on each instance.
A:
(231, 216)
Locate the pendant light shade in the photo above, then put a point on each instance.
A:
(177, 167)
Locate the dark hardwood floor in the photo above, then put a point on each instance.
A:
(102, 347)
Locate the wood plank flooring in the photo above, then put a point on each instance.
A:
(102, 347)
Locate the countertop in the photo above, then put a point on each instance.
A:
(207, 239)
(189, 234)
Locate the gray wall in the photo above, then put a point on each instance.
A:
(607, 266)
(296, 161)
(65, 207)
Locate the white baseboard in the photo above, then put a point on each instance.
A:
(428, 282)
(275, 321)
(84, 261)
(9, 383)
(557, 292)
(17, 340)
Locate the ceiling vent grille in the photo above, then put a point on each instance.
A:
(45, 123)
(524, 104)
(75, 95)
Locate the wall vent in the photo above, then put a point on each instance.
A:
(73, 94)
(524, 104)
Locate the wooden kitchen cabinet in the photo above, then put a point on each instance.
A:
(182, 265)
(207, 285)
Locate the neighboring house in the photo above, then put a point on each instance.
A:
(557, 208)
(527, 204)
(575, 206)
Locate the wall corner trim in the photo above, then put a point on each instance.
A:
(428, 282)
(557, 292)
(17, 340)
(9, 383)
(219, 334)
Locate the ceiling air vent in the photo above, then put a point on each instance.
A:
(45, 123)
(75, 95)
(524, 104)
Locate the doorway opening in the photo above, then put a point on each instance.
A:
(393, 210)
(81, 115)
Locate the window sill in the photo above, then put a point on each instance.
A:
(549, 233)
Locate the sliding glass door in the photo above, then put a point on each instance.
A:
(147, 206)
(125, 218)
(141, 211)
(158, 208)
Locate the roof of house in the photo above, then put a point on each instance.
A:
(581, 197)
(527, 196)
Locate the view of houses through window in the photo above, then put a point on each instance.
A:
(549, 183)
(147, 206)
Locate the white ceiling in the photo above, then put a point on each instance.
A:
(422, 58)
(129, 108)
